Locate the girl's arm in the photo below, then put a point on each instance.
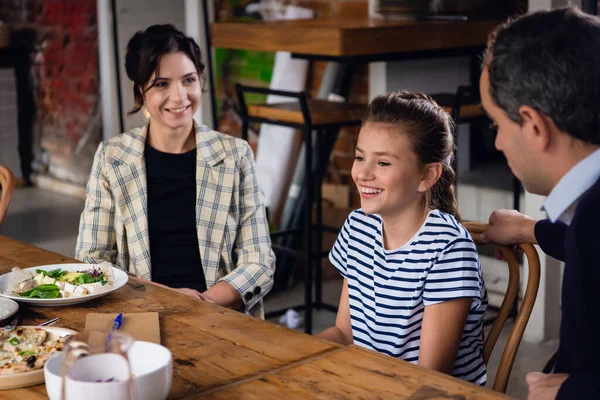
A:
(441, 332)
(342, 331)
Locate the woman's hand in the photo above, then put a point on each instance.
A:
(222, 294)
(188, 292)
(193, 293)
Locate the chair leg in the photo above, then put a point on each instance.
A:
(308, 265)
(516, 193)
(245, 128)
(318, 223)
(550, 364)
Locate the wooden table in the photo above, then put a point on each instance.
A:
(351, 373)
(223, 354)
(338, 38)
(211, 346)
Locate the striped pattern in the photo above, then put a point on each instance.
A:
(233, 235)
(389, 289)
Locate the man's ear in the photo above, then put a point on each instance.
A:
(431, 174)
(537, 128)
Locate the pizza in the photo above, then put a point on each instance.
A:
(26, 349)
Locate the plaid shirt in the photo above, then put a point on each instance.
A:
(233, 235)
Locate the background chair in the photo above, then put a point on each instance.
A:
(512, 293)
(464, 107)
(7, 184)
(324, 118)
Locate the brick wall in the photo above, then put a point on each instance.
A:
(68, 120)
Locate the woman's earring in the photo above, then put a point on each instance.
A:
(146, 113)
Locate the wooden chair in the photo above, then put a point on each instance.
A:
(512, 292)
(7, 183)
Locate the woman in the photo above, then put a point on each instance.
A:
(174, 202)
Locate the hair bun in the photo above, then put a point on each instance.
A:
(132, 57)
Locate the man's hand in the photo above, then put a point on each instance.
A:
(544, 386)
(509, 227)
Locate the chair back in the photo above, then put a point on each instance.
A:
(511, 296)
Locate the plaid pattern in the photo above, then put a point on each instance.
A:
(233, 234)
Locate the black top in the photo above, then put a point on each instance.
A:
(577, 245)
(171, 180)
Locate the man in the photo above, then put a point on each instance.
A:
(540, 85)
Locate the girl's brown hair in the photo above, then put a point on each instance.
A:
(429, 129)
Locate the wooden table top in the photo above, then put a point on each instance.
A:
(223, 354)
(351, 373)
(350, 37)
(212, 346)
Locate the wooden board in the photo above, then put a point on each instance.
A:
(320, 111)
(212, 346)
(352, 373)
(350, 37)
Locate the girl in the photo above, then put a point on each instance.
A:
(413, 286)
(174, 202)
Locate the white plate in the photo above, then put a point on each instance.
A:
(8, 308)
(120, 279)
(34, 377)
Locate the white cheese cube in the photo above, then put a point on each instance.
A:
(69, 288)
(46, 280)
(38, 279)
(94, 287)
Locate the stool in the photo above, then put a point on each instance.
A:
(305, 115)
(465, 107)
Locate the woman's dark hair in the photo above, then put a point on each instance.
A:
(549, 60)
(145, 50)
(429, 129)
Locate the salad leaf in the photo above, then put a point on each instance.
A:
(42, 292)
(46, 295)
(95, 272)
(55, 273)
(87, 278)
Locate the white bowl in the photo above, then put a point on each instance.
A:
(151, 365)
